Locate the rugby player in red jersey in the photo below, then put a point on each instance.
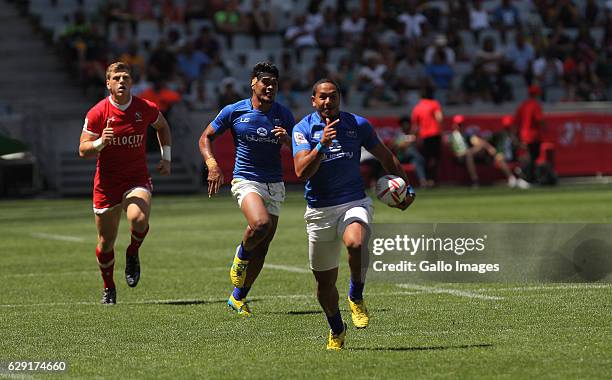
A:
(115, 132)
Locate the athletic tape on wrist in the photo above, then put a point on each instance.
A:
(166, 153)
(98, 145)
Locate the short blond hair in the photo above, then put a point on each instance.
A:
(117, 67)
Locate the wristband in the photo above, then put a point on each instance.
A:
(166, 153)
(410, 192)
(320, 147)
(98, 145)
(211, 162)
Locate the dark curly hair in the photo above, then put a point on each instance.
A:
(264, 68)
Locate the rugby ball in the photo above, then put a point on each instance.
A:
(391, 190)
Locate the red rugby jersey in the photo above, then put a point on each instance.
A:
(124, 159)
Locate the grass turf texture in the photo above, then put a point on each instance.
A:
(176, 323)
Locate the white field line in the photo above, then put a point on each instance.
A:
(545, 287)
(454, 292)
(287, 268)
(95, 272)
(42, 235)
(195, 301)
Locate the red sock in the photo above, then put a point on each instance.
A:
(106, 262)
(137, 238)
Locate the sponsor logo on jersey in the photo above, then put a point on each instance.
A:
(132, 141)
(299, 138)
(244, 120)
(262, 131)
(351, 133)
(137, 116)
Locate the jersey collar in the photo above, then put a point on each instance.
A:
(121, 107)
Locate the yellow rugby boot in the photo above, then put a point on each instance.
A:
(359, 314)
(336, 342)
(241, 307)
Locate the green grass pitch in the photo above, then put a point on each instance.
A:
(175, 324)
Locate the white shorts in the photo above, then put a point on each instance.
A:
(325, 227)
(273, 194)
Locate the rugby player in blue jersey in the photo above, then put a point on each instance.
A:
(326, 152)
(259, 126)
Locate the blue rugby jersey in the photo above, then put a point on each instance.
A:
(338, 179)
(257, 149)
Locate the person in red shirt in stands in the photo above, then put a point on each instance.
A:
(426, 119)
(115, 132)
(529, 121)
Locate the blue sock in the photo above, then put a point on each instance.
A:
(240, 293)
(243, 254)
(335, 323)
(356, 290)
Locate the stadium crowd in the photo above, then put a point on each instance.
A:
(380, 52)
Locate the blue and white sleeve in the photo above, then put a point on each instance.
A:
(300, 138)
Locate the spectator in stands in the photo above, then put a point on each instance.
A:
(440, 74)
(529, 122)
(345, 77)
(207, 43)
(133, 58)
(585, 49)
(506, 17)
(141, 9)
(191, 65)
(300, 36)
(426, 121)
(469, 149)
(228, 21)
(228, 93)
(409, 74)
(163, 96)
(477, 85)
(286, 95)
(259, 21)
(560, 42)
(328, 34)
(520, 56)
(121, 43)
(372, 80)
(405, 149)
(591, 12)
(292, 75)
(162, 63)
(440, 45)
(352, 29)
(565, 13)
(491, 59)
(548, 71)
(413, 21)
(479, 19)
(319, 69)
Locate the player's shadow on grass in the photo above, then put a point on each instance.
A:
(424, 348)
(311, 312)
(186, 302)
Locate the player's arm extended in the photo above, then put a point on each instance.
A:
(215, 175)
(165, 144)
(392, 166)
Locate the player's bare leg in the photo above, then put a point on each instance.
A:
(107, 225)
(252, 251)
(258, 257)
(355, 239)
(327, 295)
(137, 205)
